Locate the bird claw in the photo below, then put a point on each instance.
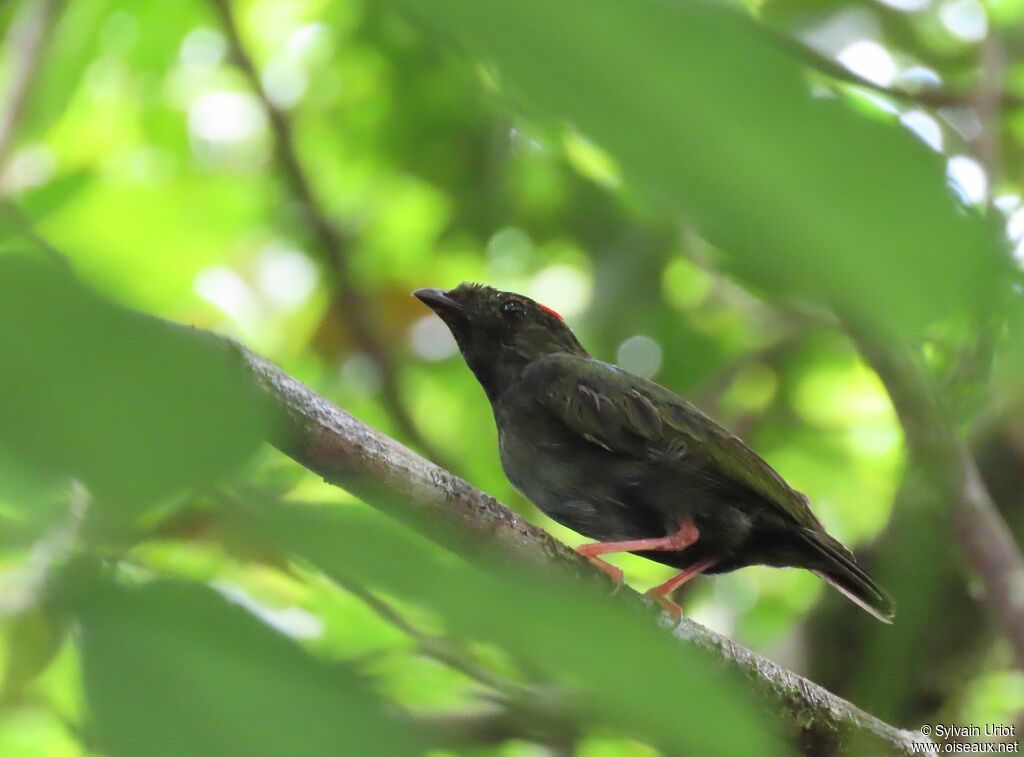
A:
(674, 611)
(612, 571)
(617, 576)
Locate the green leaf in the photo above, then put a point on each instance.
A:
(623, 672)
(174, 669)
(704, 107)
(41, 201)
(135, 407)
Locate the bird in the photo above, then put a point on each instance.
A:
(629, 463)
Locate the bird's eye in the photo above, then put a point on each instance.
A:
(512, 309)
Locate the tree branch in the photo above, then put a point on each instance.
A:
(934, 445)
(333, 245)
(350, 454)
(26, 43)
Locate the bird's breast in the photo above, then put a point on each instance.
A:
(572, 481)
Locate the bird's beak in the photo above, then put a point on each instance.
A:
(437, 300)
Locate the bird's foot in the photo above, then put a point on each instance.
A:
(686, 535)
(674, 611)
(613, 572)
(661, 592)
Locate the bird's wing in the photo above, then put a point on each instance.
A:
(632, 416)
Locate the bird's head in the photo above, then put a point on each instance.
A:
(499, 333)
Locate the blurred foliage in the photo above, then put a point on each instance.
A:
(899, 268)
(566, 648)
(130, 394)
(158, 656)
(673, 177)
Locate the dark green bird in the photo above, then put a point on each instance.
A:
(629, 463)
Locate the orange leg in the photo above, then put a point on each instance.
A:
(677, 542)
(660, 593)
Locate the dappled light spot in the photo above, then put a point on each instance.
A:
(1015, 232)
(640, 355)
(285, 276)
(564, 288)
(753, 388)
(964, 19)
(227, 127)
(685, 285)
(225, 117)
(509, 250)
(907, 5)
(1015, 225)
(229, 293)
(1010, 205)
(968, 179)
(714, 615)
(834, 32)
(917, 78)
(836, 394)
(360, 373)
(310, 44)
(925, 127)
(29, 167)
(1007, 202)
(284, 81)
(875, 441)
(431, 339)
(868, 59)
(739, 591)
(291, 621)
(203, 48)
(994, 697)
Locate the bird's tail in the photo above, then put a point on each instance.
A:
(838, 568)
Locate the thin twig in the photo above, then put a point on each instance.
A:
(536, 713)
(25, 43)
(23, 587)
(988, 105)
(442, 650)
(334, 247)
(928, 98)
(524, 712)
(492, 726)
